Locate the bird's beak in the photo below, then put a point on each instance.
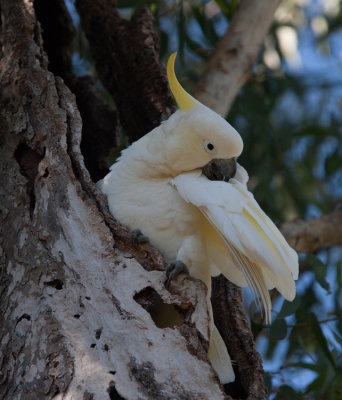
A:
(220, 169)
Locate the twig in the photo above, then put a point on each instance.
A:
(305, 324)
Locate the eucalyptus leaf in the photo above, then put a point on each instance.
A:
(320, 271)
(278, 329)
(322, 341)
(288, 392)
(289, 307)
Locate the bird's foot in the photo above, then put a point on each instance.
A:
(138, 237)
(173, 269)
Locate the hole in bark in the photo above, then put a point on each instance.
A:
(93, 345)
(235, 389)
(112, 372)
(56, 283)
(113, 394)
(46, 173)
(88, 298)
(105, 347)
(25, 316)
(77, 316)
(28, 161)
(163, 315)
(98, 333)
(88, 396)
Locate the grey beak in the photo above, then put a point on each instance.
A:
(219, 169)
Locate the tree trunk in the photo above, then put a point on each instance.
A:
(79, 303)
(83, 309)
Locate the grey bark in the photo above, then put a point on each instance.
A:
(76, 321)
(81, 308)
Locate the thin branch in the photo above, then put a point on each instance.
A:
(308, 323)
(232, 61)
(305, 324)
(316, 234)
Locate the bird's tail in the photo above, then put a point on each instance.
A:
(219, 357)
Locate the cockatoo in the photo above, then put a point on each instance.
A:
(211, 227)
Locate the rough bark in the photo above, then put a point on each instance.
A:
(127, 63)
(75, 315)
(249, 383)
(232, 60)
(316, 234)
(81, 307)
(100, 122)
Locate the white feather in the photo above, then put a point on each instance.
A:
(211, 226)
(218, 355)
(252, 240)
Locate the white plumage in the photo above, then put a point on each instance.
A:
(211, 226)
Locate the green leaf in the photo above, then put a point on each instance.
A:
(278, 329)
(322, 341)
(337, 337)
(319, 270)
(303, 365)
(181, 26)
(268, 382)
(206, 25)
(333, 162)
(289, 307)
(223, 7)
(288, 392)
(316, 383)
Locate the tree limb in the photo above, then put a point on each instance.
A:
(227, 71)
(316, 234)
(232, 60)
(234, 326)
(127, 61)
(100, 125)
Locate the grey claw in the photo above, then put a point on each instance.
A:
(173, 269)
(138, 237)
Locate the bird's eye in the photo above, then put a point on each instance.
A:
(209, 147)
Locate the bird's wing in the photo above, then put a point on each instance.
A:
(252, 243)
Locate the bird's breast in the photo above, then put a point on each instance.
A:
(158, 211)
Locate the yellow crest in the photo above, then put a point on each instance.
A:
(183, 99)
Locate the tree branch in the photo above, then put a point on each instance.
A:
(232, 60)
(236, 332)
(100, 125)
(227, 71)
(127, 61)
(314, 235)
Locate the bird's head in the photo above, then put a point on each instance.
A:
(196, 134)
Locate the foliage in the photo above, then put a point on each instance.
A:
(289, 114)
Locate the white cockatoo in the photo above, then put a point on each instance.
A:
(211, 227)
